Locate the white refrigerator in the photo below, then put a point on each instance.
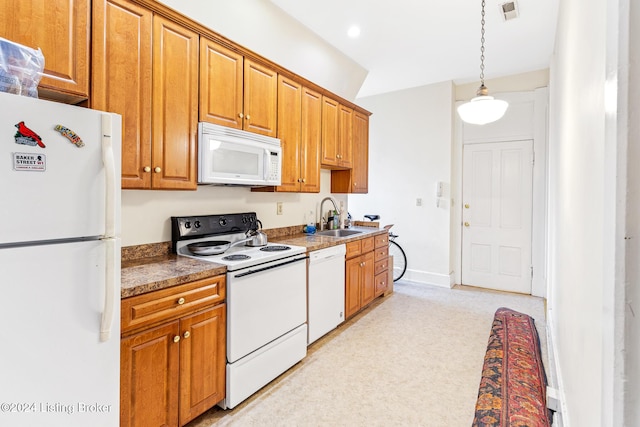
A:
(59, 264)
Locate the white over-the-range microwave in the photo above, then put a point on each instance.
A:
(229, 156)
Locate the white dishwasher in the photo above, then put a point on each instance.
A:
(326, 291)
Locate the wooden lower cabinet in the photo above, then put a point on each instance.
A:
(173, 369)
(359, 276)
(149, 366)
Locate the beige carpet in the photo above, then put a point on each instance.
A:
(413, 359)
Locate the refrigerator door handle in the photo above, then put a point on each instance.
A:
(111, 182)
(110, 285)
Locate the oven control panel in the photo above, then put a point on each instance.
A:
(191, 227)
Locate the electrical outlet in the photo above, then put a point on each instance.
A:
(418, 201)
(279, 208)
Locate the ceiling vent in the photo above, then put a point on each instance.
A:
(509, 10)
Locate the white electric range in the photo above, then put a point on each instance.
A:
(266, 299)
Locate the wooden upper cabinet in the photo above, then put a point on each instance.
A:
(121, 80)
(175, 106)
(235, 91)
(221, 85)
(299, 131)
(311, 141)
(260, 98)
(345, 143)
(289, 132)
(330, 131)
(356, 179)
(60, 28)
(360, 169)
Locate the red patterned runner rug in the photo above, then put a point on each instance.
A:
(513, 385)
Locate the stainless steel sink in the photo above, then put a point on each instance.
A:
(338, 233)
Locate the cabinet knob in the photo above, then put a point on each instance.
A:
(303, 180)
(466, 205)
(187, 334)
(355, 184)
(147, 169)
(181, 301)
(362, 264)
(240, 115)
(157, 169)
(248, 117)
(339, 156)
(176, 338)
(466, 224)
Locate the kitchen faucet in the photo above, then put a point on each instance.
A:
(335, 206)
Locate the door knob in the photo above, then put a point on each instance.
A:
(466, 224)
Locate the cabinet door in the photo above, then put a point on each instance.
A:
(202, 361)
(367, 278)
(260, 98)
(175, 106)
(289, 127)
(149, 377)
(345, 146)
(360, 171)
(352, 286)
(311, 142)
(330, 131)
(221, 85)
(60, 29)
(121, 80)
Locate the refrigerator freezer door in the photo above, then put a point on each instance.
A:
(53, 188)
(55, 370)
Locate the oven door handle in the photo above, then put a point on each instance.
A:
(259, 270)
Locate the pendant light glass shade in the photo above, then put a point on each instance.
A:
(482, 110)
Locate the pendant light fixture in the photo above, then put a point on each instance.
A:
(483, 108)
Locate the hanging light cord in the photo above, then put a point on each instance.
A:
(482, 46)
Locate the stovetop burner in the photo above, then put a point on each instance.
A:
(275, 248)
(236, 257)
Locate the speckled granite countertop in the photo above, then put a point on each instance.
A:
(152, 267)
(313, 242)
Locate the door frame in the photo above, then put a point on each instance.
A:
(510, 129)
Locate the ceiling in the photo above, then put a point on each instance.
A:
(409, 43)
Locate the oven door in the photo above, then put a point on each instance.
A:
(263, 303)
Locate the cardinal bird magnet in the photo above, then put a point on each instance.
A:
(26, 136)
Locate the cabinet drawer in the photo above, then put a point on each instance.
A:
(154, 307)
(381, 240)
(381, 266)
(382, 253)
(368, 244)
(353, 249)
(381, 283)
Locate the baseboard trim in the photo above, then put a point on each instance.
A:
(427, 278)
(561, 418)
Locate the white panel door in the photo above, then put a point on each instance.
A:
(497, 209)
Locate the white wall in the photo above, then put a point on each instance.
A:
(262, 27)
(587, 191)
(410, 137)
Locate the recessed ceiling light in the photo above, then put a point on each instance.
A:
(354, 31)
